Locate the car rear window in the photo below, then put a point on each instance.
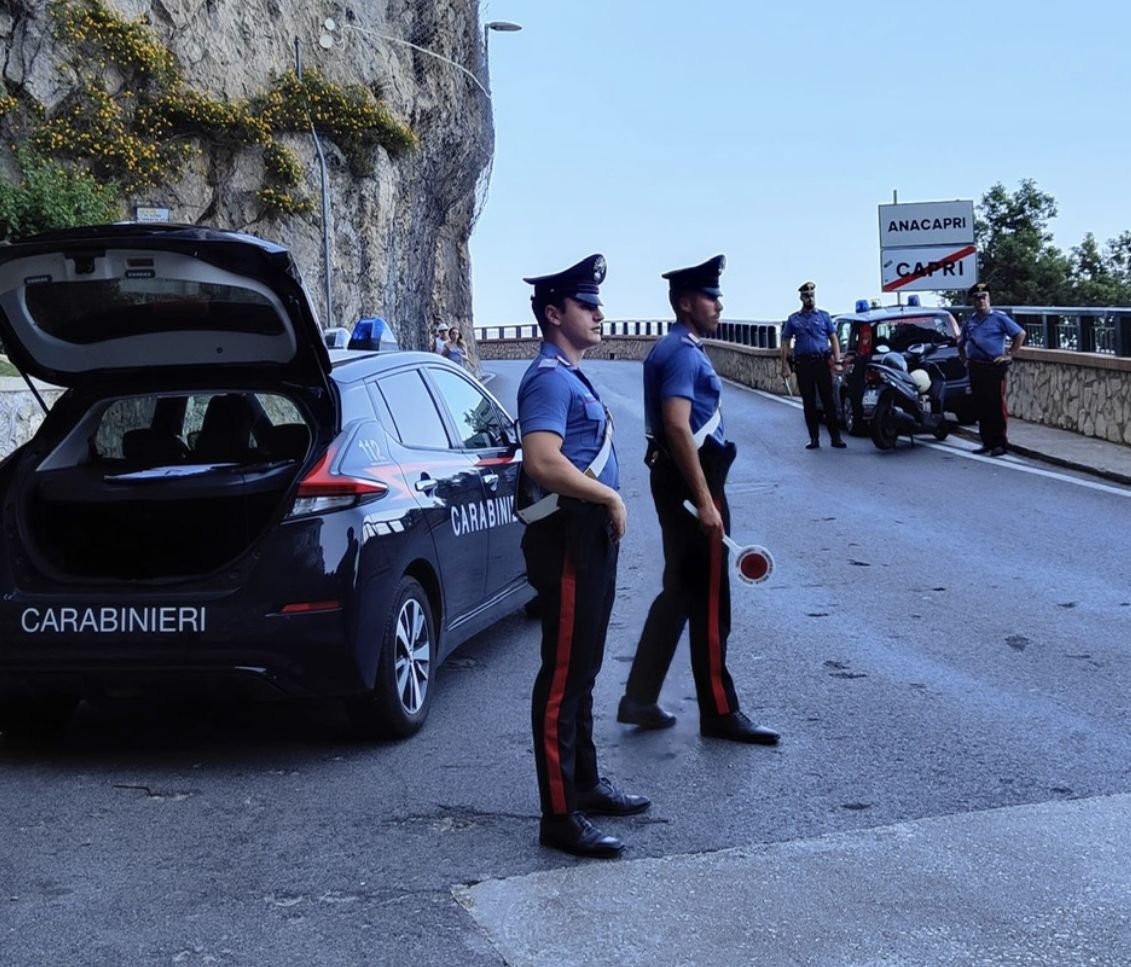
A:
(88, 312)
(908, 330)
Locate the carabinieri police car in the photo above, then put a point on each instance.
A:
(218, 498)
(872, 329)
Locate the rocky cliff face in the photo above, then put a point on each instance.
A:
(398, 237)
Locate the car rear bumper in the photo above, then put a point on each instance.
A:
(306, 655)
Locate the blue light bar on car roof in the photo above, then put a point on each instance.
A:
(861, 305)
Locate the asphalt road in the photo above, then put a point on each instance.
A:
(943, 634)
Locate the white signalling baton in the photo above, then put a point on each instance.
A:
(788, 389)
(753, 562)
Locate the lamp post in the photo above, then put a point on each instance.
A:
(325, 198)
(505, 26)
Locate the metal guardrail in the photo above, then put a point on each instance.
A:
(762, 335)
(1084, 329)
(1088, 329)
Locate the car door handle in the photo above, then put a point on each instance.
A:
(426, 483)
(491, 480)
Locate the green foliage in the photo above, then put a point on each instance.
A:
(348, 114)
(1017, 259)
(140, 134)
(52, 195)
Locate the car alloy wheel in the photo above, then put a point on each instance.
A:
(854, 424)
(402, 694)
(412, 656)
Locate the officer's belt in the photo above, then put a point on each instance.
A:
(544, 507)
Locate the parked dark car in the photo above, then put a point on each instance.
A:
(218, 499)
(897, 328)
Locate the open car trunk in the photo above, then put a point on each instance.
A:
(165, 486)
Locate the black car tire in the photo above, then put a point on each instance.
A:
(851, 418)
(966, 415)
(885, 427)
(38, 717)
(402, 694)
(942, 429)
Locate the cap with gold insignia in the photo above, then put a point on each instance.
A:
(580, 282)
(978, 288)
(807, 288)
(700, 278)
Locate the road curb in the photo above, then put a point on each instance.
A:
(1113, 475)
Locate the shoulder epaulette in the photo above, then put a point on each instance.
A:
(550, 362)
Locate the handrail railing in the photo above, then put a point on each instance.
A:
(763, 335)
(1089, 329)
(1084, 329)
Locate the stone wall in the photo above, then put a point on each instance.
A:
(1087, 393)
(20, 412)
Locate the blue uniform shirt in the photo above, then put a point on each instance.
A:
(555, 397)
(678, 366)
(984, 338)
(811, 332)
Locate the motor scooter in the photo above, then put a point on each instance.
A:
(903, 395)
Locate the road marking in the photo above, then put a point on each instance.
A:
(956, 448)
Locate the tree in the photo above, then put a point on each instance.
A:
(1020, 264)
(1016, 257)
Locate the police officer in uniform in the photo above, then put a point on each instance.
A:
(981, 345)
(813, 332)
(689, 458)
(575, 519)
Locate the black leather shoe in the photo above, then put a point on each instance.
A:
(575, 834)
(997, 452)
(604, 799)
(839, 443)
(738, 728)
(981, 450)
(813, 444)
(648, 715)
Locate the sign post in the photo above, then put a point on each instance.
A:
(927, 246)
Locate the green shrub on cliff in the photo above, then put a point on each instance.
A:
(50, 195)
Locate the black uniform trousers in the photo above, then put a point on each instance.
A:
(987, 386)
(696, 590)
(813, 377)
(571, 561)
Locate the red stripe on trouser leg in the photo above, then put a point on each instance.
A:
(557, 687)
(714, 647)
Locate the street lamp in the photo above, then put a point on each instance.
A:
(505, 26)
(326, 262)
(416, 47)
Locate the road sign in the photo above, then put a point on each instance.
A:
(927, 223)
(929, 268)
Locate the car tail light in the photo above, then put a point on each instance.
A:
(322, 490)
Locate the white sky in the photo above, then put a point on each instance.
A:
(662, 132)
